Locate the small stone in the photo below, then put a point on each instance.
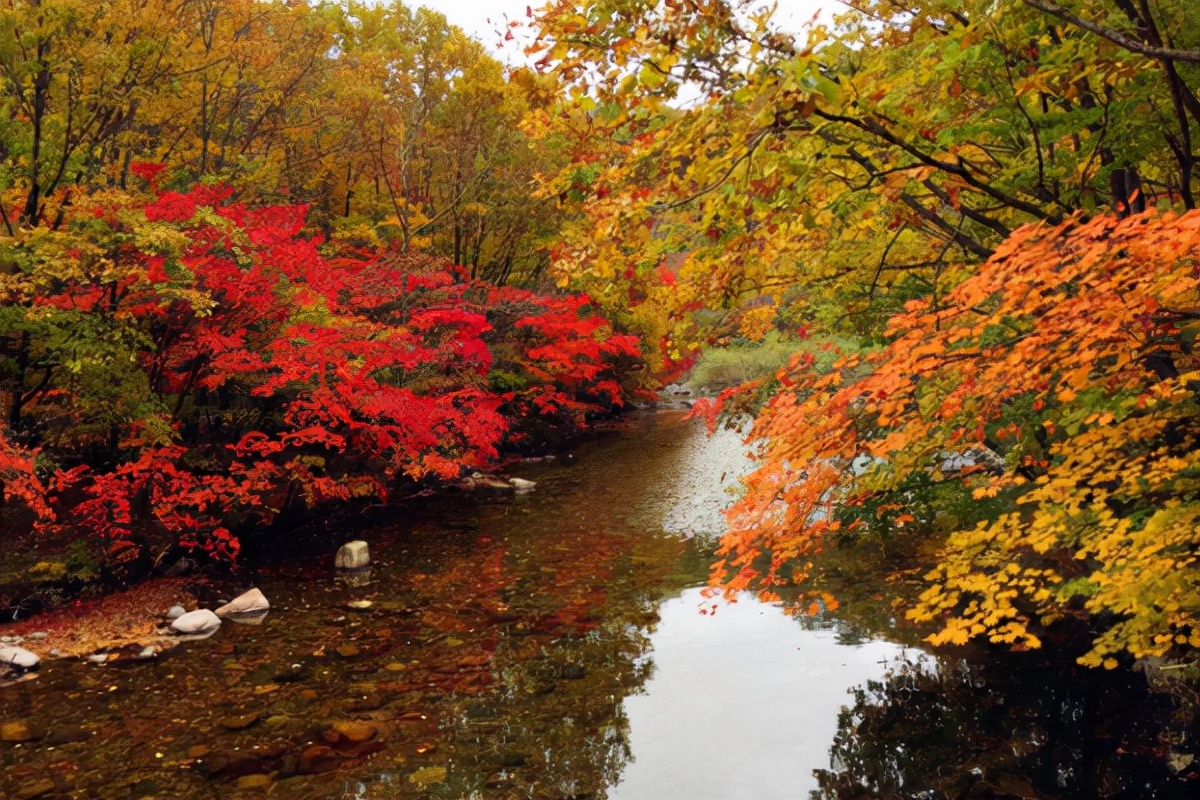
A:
(240, 722)
(37, 636)
(198, 751)
(396, 666)
(18, 657)
(318, 758)
(521, 485)
(350, 731)
(512, 759)
(200, 621)
(251, 602)
(359, 605)
(11, 639)
(175, 612)
(147, 652)
(35, 789)
(18, 731)
(258, 781)
(426, 775)
(97, 658)
(352, 555)
(347, 651)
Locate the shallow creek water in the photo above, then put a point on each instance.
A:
(553, 645)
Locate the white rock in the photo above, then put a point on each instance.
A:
(175, 612)
(37, 635)
(147, 652)
(352, 555)
(199, 621)
(251, 602)
(19, 657)
(97, 658)
(522, 485)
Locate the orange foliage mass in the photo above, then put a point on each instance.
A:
(1070, 353)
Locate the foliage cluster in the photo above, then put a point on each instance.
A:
(389, 123)
(188, 365)
(929, 177)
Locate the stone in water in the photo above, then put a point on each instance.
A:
(352, 555)
(252, 602)
(19, 657)
(521, 485)
(197, 622)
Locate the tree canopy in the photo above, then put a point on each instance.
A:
(992, 203)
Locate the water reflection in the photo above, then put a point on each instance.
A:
(551, 646)
(742, 702)
(1029, 725)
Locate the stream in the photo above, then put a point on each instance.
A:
(558, 645)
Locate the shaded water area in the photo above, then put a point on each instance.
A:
(553, 645)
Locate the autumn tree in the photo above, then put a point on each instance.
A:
(858, 166)
(919, 176)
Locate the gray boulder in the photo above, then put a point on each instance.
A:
(18, 657)
(352, 555)
(251, 602)
(200, 621)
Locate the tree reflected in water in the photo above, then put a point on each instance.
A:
(1013, 725)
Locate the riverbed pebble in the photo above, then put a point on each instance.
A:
(251, 602)
(197, 622)
(18, 730)
(19, 657)
(522, 485)
(175, 612)
(353, 555)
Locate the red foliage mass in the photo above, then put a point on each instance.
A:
(288, 370)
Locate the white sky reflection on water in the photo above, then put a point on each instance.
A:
(742, 705)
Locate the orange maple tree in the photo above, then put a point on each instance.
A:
(1062, 375)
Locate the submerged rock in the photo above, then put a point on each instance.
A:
(251, 602)
(318, 758)
(240, 722)
(19, 731)
(200, 621)
(19, 657)
(352, 555)
(349, 731)
(522, 485)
